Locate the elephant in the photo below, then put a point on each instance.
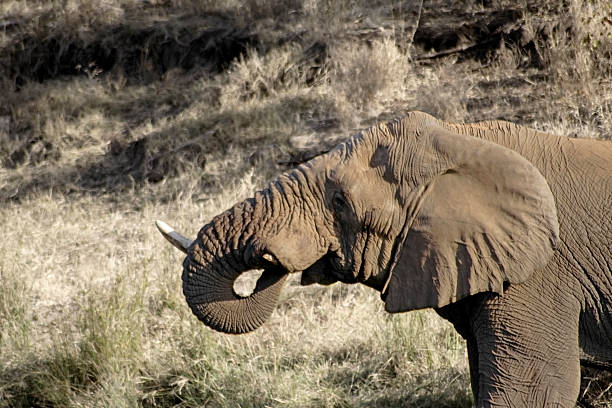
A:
(504, 230)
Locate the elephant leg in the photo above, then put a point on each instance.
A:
(461, 314)
(527, 349)
(472, 348)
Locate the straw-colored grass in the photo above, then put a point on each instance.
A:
(96, 317)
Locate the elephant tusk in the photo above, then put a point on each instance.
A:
(270, 258)
(173, 237)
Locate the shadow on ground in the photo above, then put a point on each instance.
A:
(140, 51)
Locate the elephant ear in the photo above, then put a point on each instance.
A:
(487, 218)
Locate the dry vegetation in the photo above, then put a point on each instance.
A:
(118, 112)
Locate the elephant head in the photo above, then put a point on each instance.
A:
(424, 215)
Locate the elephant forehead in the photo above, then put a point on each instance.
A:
(367, 164)
(365, 186)
(382, 162)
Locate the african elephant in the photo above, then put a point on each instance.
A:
(505, 231)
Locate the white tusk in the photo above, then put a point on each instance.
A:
(173, 237)
(270, 258)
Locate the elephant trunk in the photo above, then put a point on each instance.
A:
(224, 249)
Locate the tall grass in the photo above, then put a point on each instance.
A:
(122, 334)
(15, 317)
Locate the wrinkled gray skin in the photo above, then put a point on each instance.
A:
(505, 231)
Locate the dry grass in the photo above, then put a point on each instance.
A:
(91, 310)
(102, 308)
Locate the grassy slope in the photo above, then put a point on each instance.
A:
(96, 144)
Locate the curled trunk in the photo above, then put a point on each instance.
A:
(224, 249)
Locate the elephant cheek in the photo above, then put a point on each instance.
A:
(295, 249)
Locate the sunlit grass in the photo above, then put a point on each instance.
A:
(123, 335)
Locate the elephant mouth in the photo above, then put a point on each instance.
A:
(323, 271)
(266, 278)
(331, 268)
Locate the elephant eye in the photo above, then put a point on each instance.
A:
(339, 201)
